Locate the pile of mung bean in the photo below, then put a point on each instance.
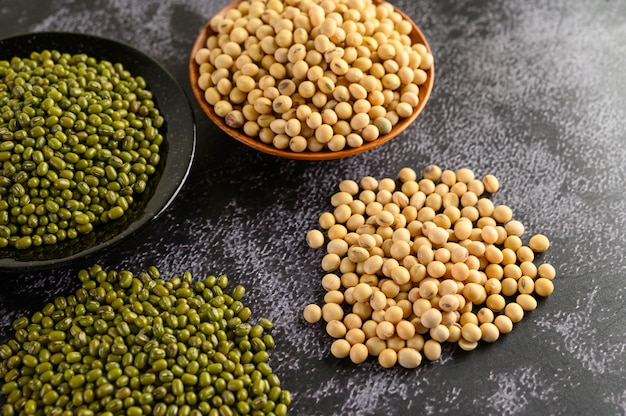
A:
(312, 75)
(418, 262)
(128, 344)
(79, 139)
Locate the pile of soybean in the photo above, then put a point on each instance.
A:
(79, 140)
(134, 345)
(417, 262)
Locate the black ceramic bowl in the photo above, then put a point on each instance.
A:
(177, 154)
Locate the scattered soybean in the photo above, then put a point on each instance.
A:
(431, 260)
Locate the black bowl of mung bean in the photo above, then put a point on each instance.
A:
(311, 80)
(96, 140)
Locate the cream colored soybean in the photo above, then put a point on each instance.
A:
(416, 262)
(312, 313)
(539, 243)
(409, 358)
(361, 57)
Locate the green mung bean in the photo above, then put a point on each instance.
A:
(65, 121)
(104, 351)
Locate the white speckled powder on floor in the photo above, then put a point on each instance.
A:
(521, 92)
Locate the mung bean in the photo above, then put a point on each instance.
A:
(42, 155)
(128, 368)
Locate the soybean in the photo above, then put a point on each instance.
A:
(430, 260)
(317, 62)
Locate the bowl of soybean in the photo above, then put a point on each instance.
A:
(176, 151)
(345, 136)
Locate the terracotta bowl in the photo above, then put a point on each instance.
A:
(424, 93)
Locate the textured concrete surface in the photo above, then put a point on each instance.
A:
(533, 92)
